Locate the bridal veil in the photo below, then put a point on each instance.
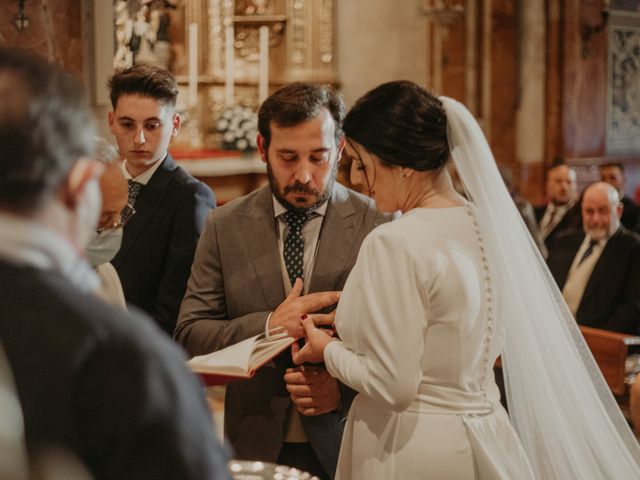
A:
(560, 405)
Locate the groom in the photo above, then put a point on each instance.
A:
(243, 280)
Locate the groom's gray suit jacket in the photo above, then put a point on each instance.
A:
(236, 280)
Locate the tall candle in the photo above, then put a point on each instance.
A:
(229, 59)
(263, 79)
(193, 64)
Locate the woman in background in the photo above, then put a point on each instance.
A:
(435, 297)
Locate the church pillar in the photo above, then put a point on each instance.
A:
(530, 116)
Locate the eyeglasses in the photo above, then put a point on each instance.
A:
(127, 212)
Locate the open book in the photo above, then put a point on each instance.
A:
(241, 360)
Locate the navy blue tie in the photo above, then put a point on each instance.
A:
(588, 251)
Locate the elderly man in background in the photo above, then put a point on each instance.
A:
(613, 174)
(562, 211)
(105, 242)
(598, 269)
(94, 382)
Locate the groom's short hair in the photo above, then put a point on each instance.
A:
(299, 102)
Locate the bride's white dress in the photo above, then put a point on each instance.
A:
(419, 345)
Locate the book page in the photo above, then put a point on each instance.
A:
(242, 358)
(267, 348)
(232, 360)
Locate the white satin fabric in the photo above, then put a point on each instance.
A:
(419, 340)
(110, 289)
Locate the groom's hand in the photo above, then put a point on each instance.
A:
(289, 313)
(313, 391)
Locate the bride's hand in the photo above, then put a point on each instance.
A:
(316, 341)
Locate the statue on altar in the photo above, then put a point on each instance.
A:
(142, 33)
(123, 33)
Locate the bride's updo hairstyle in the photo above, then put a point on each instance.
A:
(402, 124)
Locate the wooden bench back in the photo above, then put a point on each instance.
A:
(610, 350)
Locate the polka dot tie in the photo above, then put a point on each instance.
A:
(294, 245)
(134, 190)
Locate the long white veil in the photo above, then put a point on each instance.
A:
(559, 403)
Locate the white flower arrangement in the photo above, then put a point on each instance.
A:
(239, 128)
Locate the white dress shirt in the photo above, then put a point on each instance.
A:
(580, 273)
(310, 233)
(145, 176)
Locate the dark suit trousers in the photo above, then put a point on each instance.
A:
(302, 457)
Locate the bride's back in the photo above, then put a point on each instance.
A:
(455, 283)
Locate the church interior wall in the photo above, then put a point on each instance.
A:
(478, 59)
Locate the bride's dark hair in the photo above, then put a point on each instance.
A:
(402, 124)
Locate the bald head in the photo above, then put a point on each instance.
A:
(561, 185)
(601, 210)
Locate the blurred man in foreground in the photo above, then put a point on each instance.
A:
(102, 385)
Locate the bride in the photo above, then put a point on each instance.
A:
(435, 297)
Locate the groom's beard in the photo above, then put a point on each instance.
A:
(320, 196)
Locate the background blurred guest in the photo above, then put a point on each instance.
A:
(598, 269)
(106, 241)
(525, 208)
(634, 404)
(561, 211)
(102, 385)
(159, 242)
(613, 173)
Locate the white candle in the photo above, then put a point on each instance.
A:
(193, 64)
(263, 79)
(229, 59)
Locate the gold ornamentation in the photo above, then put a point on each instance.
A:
(299, 32)
(326, 31)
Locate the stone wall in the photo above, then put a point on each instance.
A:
(54, 31)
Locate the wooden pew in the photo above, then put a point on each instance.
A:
(610, 350)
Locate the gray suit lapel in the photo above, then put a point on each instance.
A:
(257, 225)
(336, 240)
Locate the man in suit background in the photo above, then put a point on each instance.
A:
(562, 210)
(95, 384)
(159, 242)
(613, 173)
(598, 269)
(256, 256)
